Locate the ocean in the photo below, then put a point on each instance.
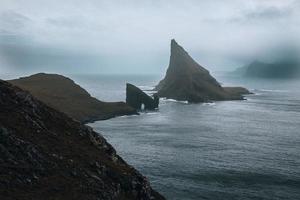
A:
(220, 150)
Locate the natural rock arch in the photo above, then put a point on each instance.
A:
(136, 98)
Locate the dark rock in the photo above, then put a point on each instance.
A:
(66, 96)
(55, 162)
(280, 69)
(186, 80)
(135, 98)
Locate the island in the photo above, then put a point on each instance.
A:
(279, 69)
(186, 80)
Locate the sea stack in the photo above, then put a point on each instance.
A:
(186, 80)
(135, 98)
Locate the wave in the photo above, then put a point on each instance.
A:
(209, 104)
(146, 88)
(173, 100)
(150, 113)
(269, 90)
(127, 116)
(186, 102)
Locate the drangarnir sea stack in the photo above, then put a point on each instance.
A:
(186, 80)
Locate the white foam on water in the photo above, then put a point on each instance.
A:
(145, 87)
(173, 100)
(209, 104)
(268, 90)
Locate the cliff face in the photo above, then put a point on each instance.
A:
(135, 97)
(187, 80)
(44, 154)
(66, 96)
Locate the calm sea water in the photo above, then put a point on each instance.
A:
(223, 150)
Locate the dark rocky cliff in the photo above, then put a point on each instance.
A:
(64, 95)
(186, 80)
(44, 154)
(135, 97)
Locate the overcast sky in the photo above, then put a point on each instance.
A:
(133, 36)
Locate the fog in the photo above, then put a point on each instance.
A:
(133, 37)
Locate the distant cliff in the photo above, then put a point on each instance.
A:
(64, 95)
(135, 97)
(44, 154)
(281, 69)
(188, 81)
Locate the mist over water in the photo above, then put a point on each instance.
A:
(222, 150)
(130, 36)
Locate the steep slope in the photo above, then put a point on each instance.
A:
(135, 97)
(64, 95)
(46, 155)
(187, 80)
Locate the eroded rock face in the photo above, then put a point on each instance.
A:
(44, 154)
(136, 98)
(186, 80)
(66, 96)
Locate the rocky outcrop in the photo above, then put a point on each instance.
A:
(44, 154)
(186, 80)
(66, 96)
(135, 97)
(281, 69)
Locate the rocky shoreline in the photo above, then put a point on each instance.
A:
(47, 155)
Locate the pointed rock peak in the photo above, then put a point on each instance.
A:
(177, 50)
(173, 43)
(181, 61)
(186, 80)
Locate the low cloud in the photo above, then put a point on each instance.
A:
(11, 20)
(133, 36)
(269, 14)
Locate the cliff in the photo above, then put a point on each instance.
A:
(135, 98)
(44, 154)
(186, 80)
(66, 96)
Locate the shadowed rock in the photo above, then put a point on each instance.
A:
(66, 96)
(44, 154)
(280, 69)
(186, 80)
(135, 98)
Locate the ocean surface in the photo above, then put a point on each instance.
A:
(221, 150)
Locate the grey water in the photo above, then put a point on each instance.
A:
(221, 150)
